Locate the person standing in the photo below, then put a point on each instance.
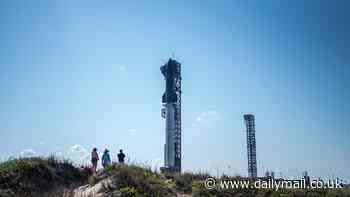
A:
(106, 158)
(121, 156)
(94, 159)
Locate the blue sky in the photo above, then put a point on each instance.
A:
(79, 74)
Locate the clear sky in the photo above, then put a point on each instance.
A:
(78, 74)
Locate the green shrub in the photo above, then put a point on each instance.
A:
(128, 192)
(36, 175)
(16, 165)
(183, 182)
(143, 180)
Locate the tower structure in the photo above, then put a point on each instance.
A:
(171, 112)
(251, 145)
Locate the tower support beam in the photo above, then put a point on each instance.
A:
(251, 145)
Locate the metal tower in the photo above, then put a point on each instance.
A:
(251, 145)
(171, 112)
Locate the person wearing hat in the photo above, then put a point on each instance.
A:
(106, 158)
(94, 159)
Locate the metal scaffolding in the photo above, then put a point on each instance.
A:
(251, 145)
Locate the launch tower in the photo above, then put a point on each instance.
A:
(251, 145)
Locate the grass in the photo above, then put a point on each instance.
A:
(30, 176)
(36, 176)
(138, 181)
(19, 165)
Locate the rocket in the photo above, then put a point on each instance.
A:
(171, 112)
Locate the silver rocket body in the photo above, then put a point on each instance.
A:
(171, 112)
(169, 147)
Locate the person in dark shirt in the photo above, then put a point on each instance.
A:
(94, 159)
(121, 156)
